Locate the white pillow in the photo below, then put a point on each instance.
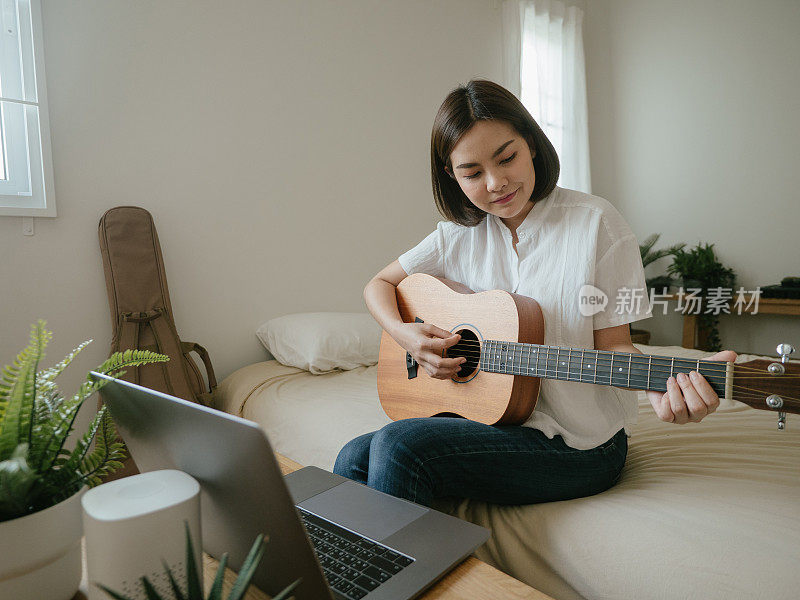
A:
(324, 341)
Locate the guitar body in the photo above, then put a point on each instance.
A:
(491, 398)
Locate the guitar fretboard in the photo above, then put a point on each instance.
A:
(620, 369)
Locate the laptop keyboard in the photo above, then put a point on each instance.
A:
(353, 565)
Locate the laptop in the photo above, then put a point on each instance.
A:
(344, 539)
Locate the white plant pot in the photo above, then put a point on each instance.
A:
(40, 553)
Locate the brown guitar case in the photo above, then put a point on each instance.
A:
(141, 313)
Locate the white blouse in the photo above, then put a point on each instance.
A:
(567, 240)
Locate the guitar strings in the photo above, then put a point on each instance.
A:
(637, 367)
(557, 355)
(669, 358)
(557, 351)
(640, 368)
(704, 370)
(743, 392)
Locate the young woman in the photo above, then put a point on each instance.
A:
(510, 227)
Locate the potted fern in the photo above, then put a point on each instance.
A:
(41, 481)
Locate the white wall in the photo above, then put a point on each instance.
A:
(282, 147)
(694, 126)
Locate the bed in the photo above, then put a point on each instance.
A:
(705, 511)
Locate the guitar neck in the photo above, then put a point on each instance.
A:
(600, 367)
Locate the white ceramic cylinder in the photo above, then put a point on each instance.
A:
(134, 525)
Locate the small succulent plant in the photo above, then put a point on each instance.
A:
(194, 583)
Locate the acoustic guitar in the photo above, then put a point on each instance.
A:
(501, 338)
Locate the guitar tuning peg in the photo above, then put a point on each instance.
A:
(785, 350)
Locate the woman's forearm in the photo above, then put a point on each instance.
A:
(381, 299)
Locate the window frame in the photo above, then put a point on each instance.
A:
(38, 197)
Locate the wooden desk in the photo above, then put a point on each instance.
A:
(471, 579)
(692, 334)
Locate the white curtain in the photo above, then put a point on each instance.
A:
(544, 67)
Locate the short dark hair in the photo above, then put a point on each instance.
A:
(481, 100)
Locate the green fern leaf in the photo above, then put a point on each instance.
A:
(9, 378)
(48, 402)
(107, 456)
(49, 433)
(129, 358)
(46, 377)
(40, 337)
(81, 467)
(19, 401)
(49, 444)
(9, 426)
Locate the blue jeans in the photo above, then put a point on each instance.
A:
(434, 457)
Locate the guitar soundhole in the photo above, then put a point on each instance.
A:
(470, 348)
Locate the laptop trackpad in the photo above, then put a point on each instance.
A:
(363, 510)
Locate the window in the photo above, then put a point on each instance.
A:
(26, 172)
(553, 82)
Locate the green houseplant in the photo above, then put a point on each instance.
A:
(39, 477)
(659, 283)
(194, 583)
(700, 268)
(649, 255)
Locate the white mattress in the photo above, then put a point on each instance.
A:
(705, 511)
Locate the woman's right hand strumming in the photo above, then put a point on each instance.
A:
(424, 341)
(426, 344)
